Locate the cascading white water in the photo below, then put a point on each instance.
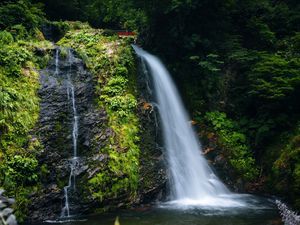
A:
(74, 161)
(56, 61)
(192, 181)
(70, 87)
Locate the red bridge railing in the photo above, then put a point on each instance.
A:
(126, 33)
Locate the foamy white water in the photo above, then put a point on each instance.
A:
(192, 181)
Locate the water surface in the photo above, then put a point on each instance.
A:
(259, 212)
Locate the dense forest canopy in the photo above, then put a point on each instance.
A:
(236, 62)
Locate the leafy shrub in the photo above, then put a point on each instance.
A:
(19, 109)
(285, 176)
(19, 170)
(21, 12)
(13, 58)
(115, 86)
(125, 103)
(234, 143)
(5, 38)
(19, 32)
(275, 77)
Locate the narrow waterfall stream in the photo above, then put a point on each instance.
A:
(73, 162)
(192, 181)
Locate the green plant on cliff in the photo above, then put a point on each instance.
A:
(235, 145)
(111, 61)
(19, 108)
(21, 17)
(286, 169)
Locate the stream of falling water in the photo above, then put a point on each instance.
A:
(192, 181)
(74, 160)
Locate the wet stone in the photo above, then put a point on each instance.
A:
(11, 220)
(2, 205)
(7, 211)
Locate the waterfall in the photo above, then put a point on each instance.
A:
(74, 163)
(56, 61)
(192, 181)
(70, 88)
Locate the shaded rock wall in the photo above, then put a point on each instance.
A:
(153, 172)
(55, 132)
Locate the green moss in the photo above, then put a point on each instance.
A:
(19, 111)
(234, 144)
(63, 53)
(6, 37)
(284, 178)
(112, 63)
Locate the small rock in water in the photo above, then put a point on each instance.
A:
(11, 201)
(1, 191)
(7, 211)
(11, 220)
(2, 205)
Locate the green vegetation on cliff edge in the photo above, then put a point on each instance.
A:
(19, 103)
(112, 64)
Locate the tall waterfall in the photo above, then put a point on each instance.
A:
(192, 181)
(74, 163)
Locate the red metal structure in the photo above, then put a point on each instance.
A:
(126, 33)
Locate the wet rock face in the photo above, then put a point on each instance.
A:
(55, 132)
(153, 173)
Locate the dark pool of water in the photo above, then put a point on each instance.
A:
(263, 212)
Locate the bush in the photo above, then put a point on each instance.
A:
(19, 171)
(285, 176)
(21, 12)
(19, 32)
(5, 38)
(19, 110)
(234, 144)
(13, 58)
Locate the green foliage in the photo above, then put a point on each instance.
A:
(118, 14)
(115, 97)
(63, 53)
(285, 175)
(115, 86)
(211, 64)
(5, 38)
(19, 110)
(21, 12)
(19, 170)
(261, 32)
(121, 104)
(275, 77)
(13, 58)
(19, 32)
(234, 144)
